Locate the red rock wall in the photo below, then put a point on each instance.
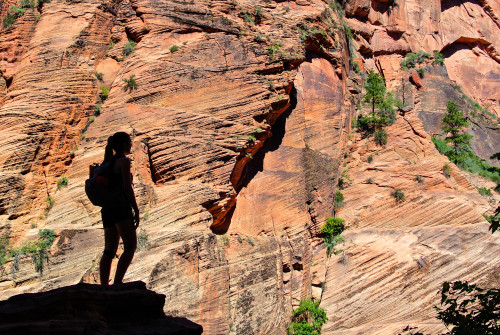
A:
(233, 134)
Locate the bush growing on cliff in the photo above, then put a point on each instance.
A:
(453, 123)
(130, 83)
(332, 231)
(460, 151)
(380, 137)
(308, 319)
(484, 191)
(104, 93)
(12, 15)
(447, 170)
(128, 48)
(174, 48)
(99, 76)
(398, 194)
(438, 58)
(50, 201)
(338, 199)
(383, 111)
(61, 182)
(37, 250)
(27, 4)
(412, 59)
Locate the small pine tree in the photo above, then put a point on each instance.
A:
(453, 123)
(130, 83)
(375, 90)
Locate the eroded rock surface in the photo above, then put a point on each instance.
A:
(240, 123)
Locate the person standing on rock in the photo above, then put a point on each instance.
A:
(117, 216)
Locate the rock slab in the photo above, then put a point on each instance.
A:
(92, 309)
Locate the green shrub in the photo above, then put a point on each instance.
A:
(130, 83)
(331, 231)
(142, 240)
(50, 201)
(308, 319)
(333, 226)
(341, 183)
(61, 182)
(413, 59)
(97, 110)
(447, 170)
(398, 195)
(104, 93)
(92, 119)
(12, 15)
(251, 241)
(419, 179)
(174, 48)
(380, 137)
(438, 58)
(355, 67)
(128, 48)
(224, 240)
(370, 159)
(484, 191)
(99, 76)
(338, 199)
(37, 250)
(421, 72)
(27, 4)
(273, 49)
(4, 243)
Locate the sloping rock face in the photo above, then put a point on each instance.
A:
(397, 253)
(465, 32)
(213, 79)
(92, 309)
(240, 122)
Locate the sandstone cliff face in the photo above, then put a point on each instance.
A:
(241, 131)
(464, 32)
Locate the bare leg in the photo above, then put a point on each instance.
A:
(111, 239)
(129, 238)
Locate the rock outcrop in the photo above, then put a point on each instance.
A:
(92, 309)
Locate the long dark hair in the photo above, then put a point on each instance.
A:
(115, 143)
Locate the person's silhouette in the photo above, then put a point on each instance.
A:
(117, 217)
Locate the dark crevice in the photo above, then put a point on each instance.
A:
(151, 166)
(447, 4)
(256, 164)
(8, 82)
(272, 144)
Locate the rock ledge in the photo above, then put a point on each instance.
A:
(92, 309)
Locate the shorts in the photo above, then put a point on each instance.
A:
(114, 214)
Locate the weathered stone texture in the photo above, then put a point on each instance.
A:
(239, 137)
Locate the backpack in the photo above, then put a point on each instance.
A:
(97, 185)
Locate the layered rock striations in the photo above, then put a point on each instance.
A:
(464, 32)
(241, 127)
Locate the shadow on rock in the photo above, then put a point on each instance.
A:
(92, 309)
